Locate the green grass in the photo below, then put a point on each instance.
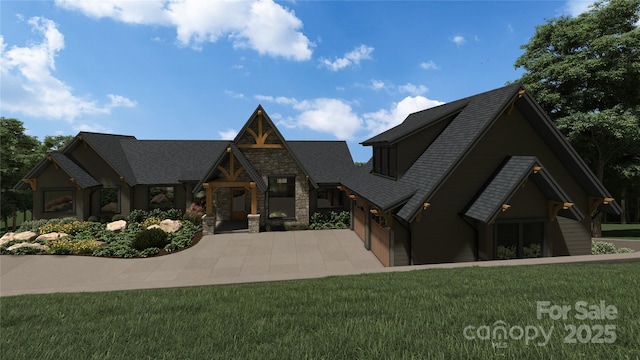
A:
(3, 227)
(626, 231)
(417, 314)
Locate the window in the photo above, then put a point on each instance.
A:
(161, 197)
(328, 198)
(519, 240)
(110, 200)
(282, 197)
(384, 161)
(58, 201)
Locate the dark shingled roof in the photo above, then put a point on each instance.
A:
(446, 151)
(506, 182)
(327, 162)
(249, 168)
(474, 114)
(81, 177)
(156, 162)
(109, 148)
(417, 121)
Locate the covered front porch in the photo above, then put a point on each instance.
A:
(237, 202)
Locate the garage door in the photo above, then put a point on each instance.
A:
(358, 222)
(380, 242)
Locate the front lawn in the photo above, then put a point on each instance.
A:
(622, 231)
(438, 313)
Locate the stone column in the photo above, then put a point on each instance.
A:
(208, 225)
(254, 223)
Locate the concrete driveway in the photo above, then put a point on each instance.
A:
(216, 259)
(228, 259)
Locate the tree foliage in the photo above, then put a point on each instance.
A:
(585, 72)
(18, 154)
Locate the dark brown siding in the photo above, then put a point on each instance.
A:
(380, 242)
(358, 222)
(399, 236)
(411, 148)
(576, 236)
(442, 236)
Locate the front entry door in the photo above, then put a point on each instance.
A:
(239, 208)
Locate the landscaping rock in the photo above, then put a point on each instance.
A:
(170, 226)
(26, 244)
(25, 235)
(154, 226)
(50, 236)
(7, 237)
(117, 225)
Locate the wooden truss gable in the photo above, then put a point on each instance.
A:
(259, 133)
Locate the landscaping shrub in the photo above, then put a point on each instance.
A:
(32, 225)
(331, 220)
(150, 221)
(137, 216)
(603, 247)
(118, 217)
(149, 252)
(93, 218)
(150, 238)
(70, 228)
(194, 214)
(67, 245)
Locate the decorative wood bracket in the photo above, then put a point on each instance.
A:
(555, 206)
(73, 180)
(425, 206)
(537, 169)
(595, 201)
(520, 94)
(32, 183)
(233, 173)
(388, 218)
(84, 142)
(505, 207)
(260, 137)
(55, 164)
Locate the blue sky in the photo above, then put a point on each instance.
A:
(323, 70)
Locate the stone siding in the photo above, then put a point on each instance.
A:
(274, 162)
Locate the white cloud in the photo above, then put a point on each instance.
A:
(381, 120)
(351, 58)
(430, 65)
(377, 84)
(92, 128)
(413, 89)
(333, 116)
(233, 94)
(458, 40)
(262, 25)
(282, 100)
(577, 7)
(229, 134)
(29, 86)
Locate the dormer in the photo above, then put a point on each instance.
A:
(385, 160)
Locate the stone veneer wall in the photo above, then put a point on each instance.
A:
(274, 162)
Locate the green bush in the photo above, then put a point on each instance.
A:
(603, 247)
(194, 217)
(149, 252)
(331, 220)
(150, 238)
(137, 216)
(118, 217)
(32, 225)
(93, 218)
